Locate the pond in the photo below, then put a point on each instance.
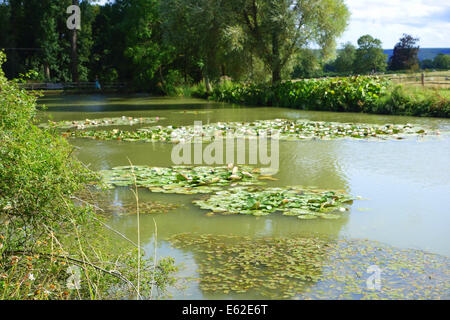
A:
(403, 189)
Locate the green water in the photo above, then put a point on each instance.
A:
(405, 184)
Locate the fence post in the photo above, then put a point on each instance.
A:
(423, 79)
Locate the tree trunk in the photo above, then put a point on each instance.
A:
(276, 59)
(276, 76)
(74, 51)
(47, 71)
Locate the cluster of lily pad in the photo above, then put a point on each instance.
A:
(181, 179)
(279, 128)
(302, 202)
(245, 197)
(103, 122)
(313, 268)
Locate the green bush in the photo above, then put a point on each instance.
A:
(419, 102)
(333, 94)
(42, 230)
(195, 91)
(347, 94)
(36, 169)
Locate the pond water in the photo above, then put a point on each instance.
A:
(404, 185)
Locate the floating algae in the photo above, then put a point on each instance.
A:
(313, 268)
(302, 202)
(404, 273)
(240, 264)
(101, 202)
(291, 130)
(181, 179)
(103, 122)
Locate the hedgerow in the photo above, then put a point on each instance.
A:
(350, 94)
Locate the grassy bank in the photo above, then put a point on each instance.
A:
(350, 94)
(53, 245)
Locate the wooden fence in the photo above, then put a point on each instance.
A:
(426, 80)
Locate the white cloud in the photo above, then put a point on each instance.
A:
(388, 20)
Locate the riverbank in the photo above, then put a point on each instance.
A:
(53, 243)
(351, 94)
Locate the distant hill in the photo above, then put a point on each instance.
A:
(424, 53)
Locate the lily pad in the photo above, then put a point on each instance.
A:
(289, 130)
(180, 179)
(102, 122)
(306, 203)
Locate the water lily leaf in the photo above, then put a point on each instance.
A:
(179, 179)
(291, 201)
(282, 129)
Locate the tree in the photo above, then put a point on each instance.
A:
(108, 59)
(307, 64)
(345, 60)
(74, 50)
(37, 37)
(405, 54)
(369, 56)
(442, 61)
(144, 47)
(200, 32)
(427, 64)
(277, 29)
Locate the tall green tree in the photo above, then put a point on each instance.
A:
(369, 56)
(442, 61)
(74, 50)
(277, 29)
(405, 54)
(201, 33)
(108, 60)
(427, 64)
(307, 64)
(143, 42)
(37, 38)
(345, 60)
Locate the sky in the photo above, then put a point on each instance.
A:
(387, 20)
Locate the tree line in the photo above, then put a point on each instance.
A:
(154, 45)
(369, 58)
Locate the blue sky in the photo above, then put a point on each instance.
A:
(387, 20)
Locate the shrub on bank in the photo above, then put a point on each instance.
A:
(51, 248)
(418, 102)
(350, 94)
(333, 94)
